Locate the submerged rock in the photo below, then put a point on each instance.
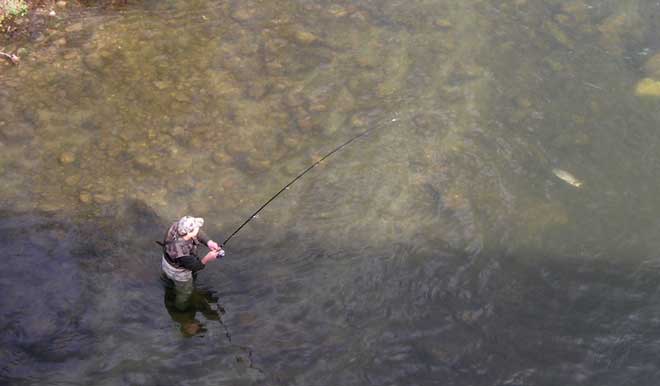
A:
(257, 90)
(162, 85)
(221, 158)
(16, 133)
(243, 12)
(94, 61)
(305, 37)
(345, 101)
(67, 157)
(294, 98)
(76, 27)
(648, 87)
(102, 198)
(442, 23)
(559, 35)
(337, 10)
(652, 66)
(85, 198)
(72, 180)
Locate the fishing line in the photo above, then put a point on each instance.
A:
(253, 215)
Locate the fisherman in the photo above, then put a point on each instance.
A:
(180, 262)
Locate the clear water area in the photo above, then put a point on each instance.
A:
(441, 248)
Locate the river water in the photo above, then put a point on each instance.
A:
(440, 249)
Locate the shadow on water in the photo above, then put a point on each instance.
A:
(74, 290)
(83, 301)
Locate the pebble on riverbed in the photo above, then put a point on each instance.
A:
(652, 66)
(305, 37)
(648, 87)
(67, 157)
(102, 198)
(85, 198)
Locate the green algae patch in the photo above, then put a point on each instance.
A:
(648, 87)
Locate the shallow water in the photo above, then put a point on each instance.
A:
(441, 248)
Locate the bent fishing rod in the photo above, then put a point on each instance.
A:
(253, 215)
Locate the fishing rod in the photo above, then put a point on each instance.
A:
(253, 215)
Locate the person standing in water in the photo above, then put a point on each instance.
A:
(180, 262)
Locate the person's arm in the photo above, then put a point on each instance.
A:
(191, 263)
(204, 239)
(194, 263)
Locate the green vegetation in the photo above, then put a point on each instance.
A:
(12, 8)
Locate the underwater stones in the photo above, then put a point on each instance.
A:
(94, 61)
(578, 9)
(85, 197)
(221, 158)
(359, 120)
(258, 164)
(368, 57)
(345, 101)
(337, 10)
(305, 37)
(103, 198)
(15, 133)
(181, 185)
(319, 97)
(181, 97)
(648, 88)
(143, 162)
(76, 27)
(162, 85)
(256, 90)
(230, 183)
(60, 4)
(243, 12)
(247, 319)
(177, 131)
(72, 180)
(538, 216)
(294, 166)
(442, 23)
(304, 119)
(618, 28)
(50, 206)
(471, 316)
(334, 122)
(652, 66)
(294, 98)
(66, 158)
(558, 34)
(563, 19)
(318, 107)
(424, 123)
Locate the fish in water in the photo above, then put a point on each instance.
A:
(567, 177)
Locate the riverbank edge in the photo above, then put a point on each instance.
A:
(22, 28)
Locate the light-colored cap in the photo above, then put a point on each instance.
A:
(188, 224)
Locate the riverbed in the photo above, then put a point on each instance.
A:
(496, 226)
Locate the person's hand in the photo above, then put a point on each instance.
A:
(213, 245)
(212, 255)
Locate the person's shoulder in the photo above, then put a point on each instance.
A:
(169, 234)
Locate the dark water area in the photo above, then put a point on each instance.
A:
(497, 226)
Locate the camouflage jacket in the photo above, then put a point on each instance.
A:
(182, 253)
